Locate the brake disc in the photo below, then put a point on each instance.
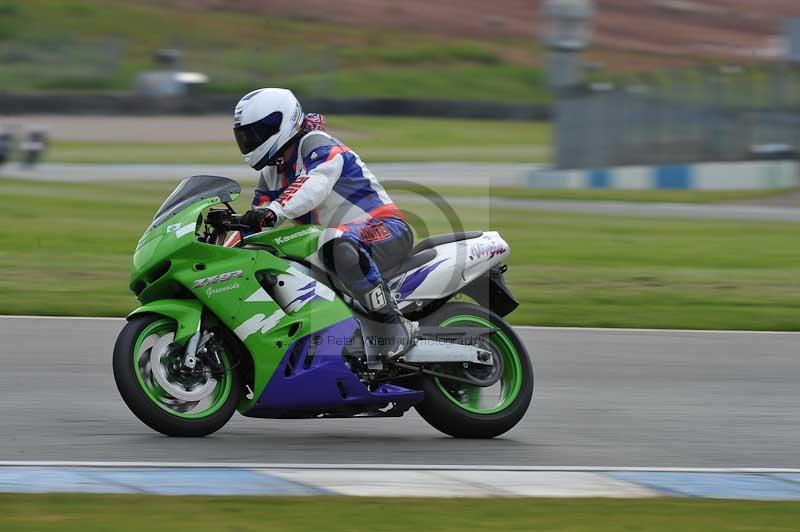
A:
(158, 364)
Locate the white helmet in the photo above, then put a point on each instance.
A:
(264, 122)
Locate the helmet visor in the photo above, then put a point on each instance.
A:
(251, 136)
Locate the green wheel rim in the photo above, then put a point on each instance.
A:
(510, 381)
(157, 395)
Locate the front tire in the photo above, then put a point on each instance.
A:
(160, 399)
(460, 410)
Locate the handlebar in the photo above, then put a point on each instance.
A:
(226, 220)
(235, 224)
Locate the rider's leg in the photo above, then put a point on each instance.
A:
(353, 258)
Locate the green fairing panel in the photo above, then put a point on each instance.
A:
(162, 241)
(185, 312)
(298, 241)
(266, 329)
(180, 221)
(220, 281)
(228, 287)
(248, 310)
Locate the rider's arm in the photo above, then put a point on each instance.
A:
(268, 188)
(323, 161)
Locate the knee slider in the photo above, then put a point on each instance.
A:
(345, 256)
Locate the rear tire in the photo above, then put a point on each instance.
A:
(157, 416)
(444, 412)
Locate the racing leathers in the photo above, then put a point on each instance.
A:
(322, 181)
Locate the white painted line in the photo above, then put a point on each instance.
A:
(551, 484)
(401, 483)
(519, 327)
(437, 483)
(395, 467)
(630, 330)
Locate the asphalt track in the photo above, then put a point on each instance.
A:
(452, 173)
(605, 398)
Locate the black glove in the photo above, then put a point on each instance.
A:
(258, 219)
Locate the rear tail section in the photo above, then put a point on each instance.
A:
(446, 265)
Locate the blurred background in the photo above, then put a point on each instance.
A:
(511, 113)
(626, 81)
(639, 156)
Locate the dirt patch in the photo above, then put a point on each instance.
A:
(739, 29)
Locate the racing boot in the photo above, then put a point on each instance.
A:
(387, 333)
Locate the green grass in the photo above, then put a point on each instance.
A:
(84, 45)
(67, 250)
(376, 139)
(636, 196)
(65, 151)
(592, 270)
(66, 513)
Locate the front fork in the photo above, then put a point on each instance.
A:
(197, 344)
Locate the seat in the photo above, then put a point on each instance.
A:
(413, 261)
(438, 240)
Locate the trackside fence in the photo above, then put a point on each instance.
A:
(680, 118)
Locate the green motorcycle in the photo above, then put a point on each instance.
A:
(256, 324)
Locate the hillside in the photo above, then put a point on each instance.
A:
(687, 29)
(452, 49)
(102, 44)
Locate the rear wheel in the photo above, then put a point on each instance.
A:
(164, 395)
(467, 411)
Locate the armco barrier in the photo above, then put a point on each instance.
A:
(749, 175)
(137, 104)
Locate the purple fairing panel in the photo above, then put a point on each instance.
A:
(327, 383)
(307, 297)
(414, 279)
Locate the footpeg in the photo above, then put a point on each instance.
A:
(382, 348)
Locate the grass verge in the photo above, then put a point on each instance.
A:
(637, 196)
(125, 512)
(68, 247)
(376, 139)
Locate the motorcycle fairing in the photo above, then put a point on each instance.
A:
(455, 266)
(275, 307)
(313, 379)
(171, 266)
(469, 266)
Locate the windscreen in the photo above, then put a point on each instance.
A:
(193, 189)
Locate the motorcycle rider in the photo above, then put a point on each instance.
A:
(310, 177)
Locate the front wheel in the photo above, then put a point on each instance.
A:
(160, 392)
(465, 411)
